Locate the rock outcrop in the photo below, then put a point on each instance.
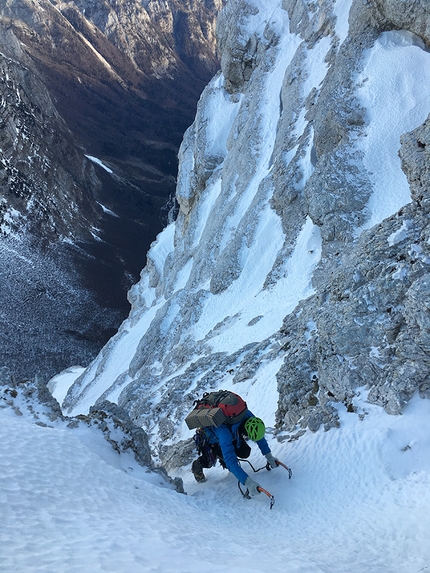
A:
(31, 399)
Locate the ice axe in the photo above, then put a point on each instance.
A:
(269, 495)
(261, 490)
(268, 468)
(278, 463)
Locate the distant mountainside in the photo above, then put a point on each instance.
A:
(95, 98)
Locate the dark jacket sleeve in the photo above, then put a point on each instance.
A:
(225, 439)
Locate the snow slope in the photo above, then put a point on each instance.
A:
(396, 70)
(359, 500)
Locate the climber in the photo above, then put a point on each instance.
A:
(227, 443)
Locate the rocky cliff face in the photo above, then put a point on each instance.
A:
(301, 250)
(94, 99)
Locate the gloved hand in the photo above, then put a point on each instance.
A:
(252, 486)
(272, 461)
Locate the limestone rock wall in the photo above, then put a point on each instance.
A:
(277, 265)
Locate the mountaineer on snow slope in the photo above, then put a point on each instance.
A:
(224, 423)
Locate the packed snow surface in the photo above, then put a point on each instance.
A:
(359, 500)
(393, 89)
